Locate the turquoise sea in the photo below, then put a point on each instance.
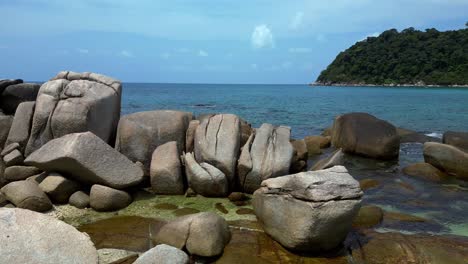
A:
(307, 110)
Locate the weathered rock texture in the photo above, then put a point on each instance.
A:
(27, 195)
(58, 188)
(217, 142)
(5, 125)
(75, 102)
(366, 135)
(79, 199)
(87, 159)
(447, 158)
(166, 170)
(139, 134)
(205, 179)
(163, 254)
(21, 126)
(103, 198)
(267, 154)
(309, 211)
(29, 238)
(203, 234)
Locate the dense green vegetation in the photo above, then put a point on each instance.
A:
(409, 57)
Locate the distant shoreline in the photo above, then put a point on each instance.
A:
(388, 85)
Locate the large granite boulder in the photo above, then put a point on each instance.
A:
(203, 234)
(21, 126)
(103, 198)
(166, 170)
(217, 142)
(267, 154)
(205, 179)
(309, 211)
(29, 238)
(19, 173)
(366, 135)
(5, 125)
(88, 159)
(59, 188)
(190, 135)
(75, 102)
(456, 139)
(7, 82)
(27, 195)
(163, 254)
(139, 134)
(447, 158)
(16, 94)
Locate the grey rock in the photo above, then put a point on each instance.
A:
(335, 159)
(166, 170)
(217, 142)
(75, 102)
(203, 234)
(19, 173)
(447, 158)
(116, 256)
(16, 94)
(366, 135)
(205, 179)
(9, 148)
(7, 82)
(38, 178)
(25, 232)
(21, 126)
(163, 254)
(103, 198)
(269, 155)
(456, 139)
(58, 188)
(3, 181)
(27, 195)
(13, 158)
(79, 199)
(309, 211)
(190, 135)
(3, 200)
(245, 131)
(299, 160)
(5, 125)
(139, 134)
(88, 159)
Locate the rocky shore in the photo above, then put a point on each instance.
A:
(84, 184)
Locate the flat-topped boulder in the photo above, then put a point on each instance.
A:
(16, 94)
(267, 154)
(28, 237)
(309, 211)
(217, 142)
(447, 158)
(139, 134)
(456, 139)
(88, 159)
(75, 102)
(365, 135)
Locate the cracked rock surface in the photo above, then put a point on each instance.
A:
(309, 211)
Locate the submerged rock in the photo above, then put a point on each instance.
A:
(139, 134)
(366, 135)
(27, 195)
(309, 211)
(163, 254)
(88, 159)
(368, 216)
(166, 170)
(425, 171)
(267, 154)
(75, 102)
(447, 158)
(335, 159)
(217, 142)
(202, 234)
(29, 238)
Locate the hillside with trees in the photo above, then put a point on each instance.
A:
(409, 57)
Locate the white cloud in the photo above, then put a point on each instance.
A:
(296, 21)
(83, 51)
(202, 53)
(262, 37)
(126, 53)
(165, 55)
(299, 50)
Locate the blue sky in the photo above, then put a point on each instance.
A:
(201, 41)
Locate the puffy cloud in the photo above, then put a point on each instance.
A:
(126, 53)
(296, 21)
(202, 53)
(299, 50)
(262, 37)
